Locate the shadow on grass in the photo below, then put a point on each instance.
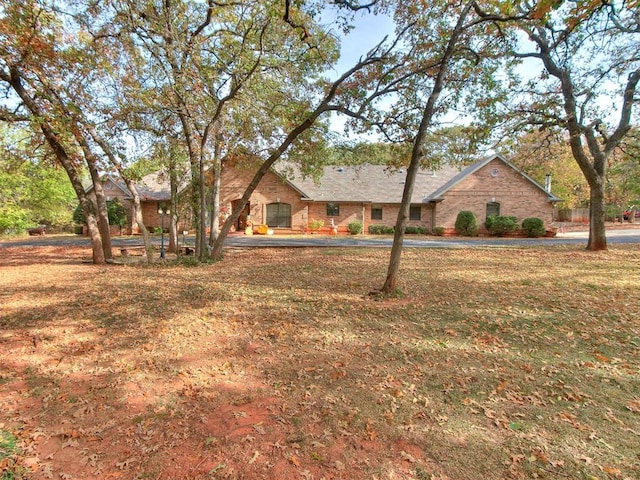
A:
(491, 366)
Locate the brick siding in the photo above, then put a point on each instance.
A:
(515, 194)
(271, 189)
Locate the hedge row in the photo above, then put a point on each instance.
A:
(385, 230)
(498, 225)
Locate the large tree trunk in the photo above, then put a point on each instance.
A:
(391, 281)
(197, 187)
(214, 203)
(597, 233)
(203, 251)
(214, 206)
(137, 212)
(173, 218)
(15, 80)
(101, 210)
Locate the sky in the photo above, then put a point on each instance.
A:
(369, 30)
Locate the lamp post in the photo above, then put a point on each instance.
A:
(162, 210)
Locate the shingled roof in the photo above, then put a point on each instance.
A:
(363, 183)
(154, 187)
(370, 183)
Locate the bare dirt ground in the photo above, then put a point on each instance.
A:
(276, 364)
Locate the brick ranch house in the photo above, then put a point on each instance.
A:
(367, 193)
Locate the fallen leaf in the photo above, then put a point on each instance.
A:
(612, 471)
(70, 443)
(126, 463)
(256, 454)
(601, 358)
(634, 406)
(408, 457)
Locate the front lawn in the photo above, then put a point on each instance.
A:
(277, 364)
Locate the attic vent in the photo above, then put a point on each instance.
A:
(340, 169)
(400, 171)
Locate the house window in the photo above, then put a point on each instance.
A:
(279, 215)
(415, 212)
(376, 212)
(333, 210)
(493, 208)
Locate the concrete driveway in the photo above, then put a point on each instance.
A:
(614, 236)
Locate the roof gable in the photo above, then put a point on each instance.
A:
(438, 194)
(109, 183)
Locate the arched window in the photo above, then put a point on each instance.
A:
(279, 215)
(493, 208)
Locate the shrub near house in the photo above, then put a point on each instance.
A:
(466, 224)
(533, 227)
(355, 228)
(500, 225)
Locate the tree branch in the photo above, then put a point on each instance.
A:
(355, 6)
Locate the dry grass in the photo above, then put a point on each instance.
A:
(276, 364)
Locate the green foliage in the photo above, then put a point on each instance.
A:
(392, 154)
(8, 444)
(115, 210)
(412, 230)
(438, 231)
(13, 219)
(612, 212)
(78, 216)
(381, 230)
(355, 227)
(189, 261)
(32, 193)
(386, 230)
(315, 224)
(533, 227)
(117, 213)
(458, 145)
(623, 177)
(499, 225)
(466, 224)
(8, 451)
